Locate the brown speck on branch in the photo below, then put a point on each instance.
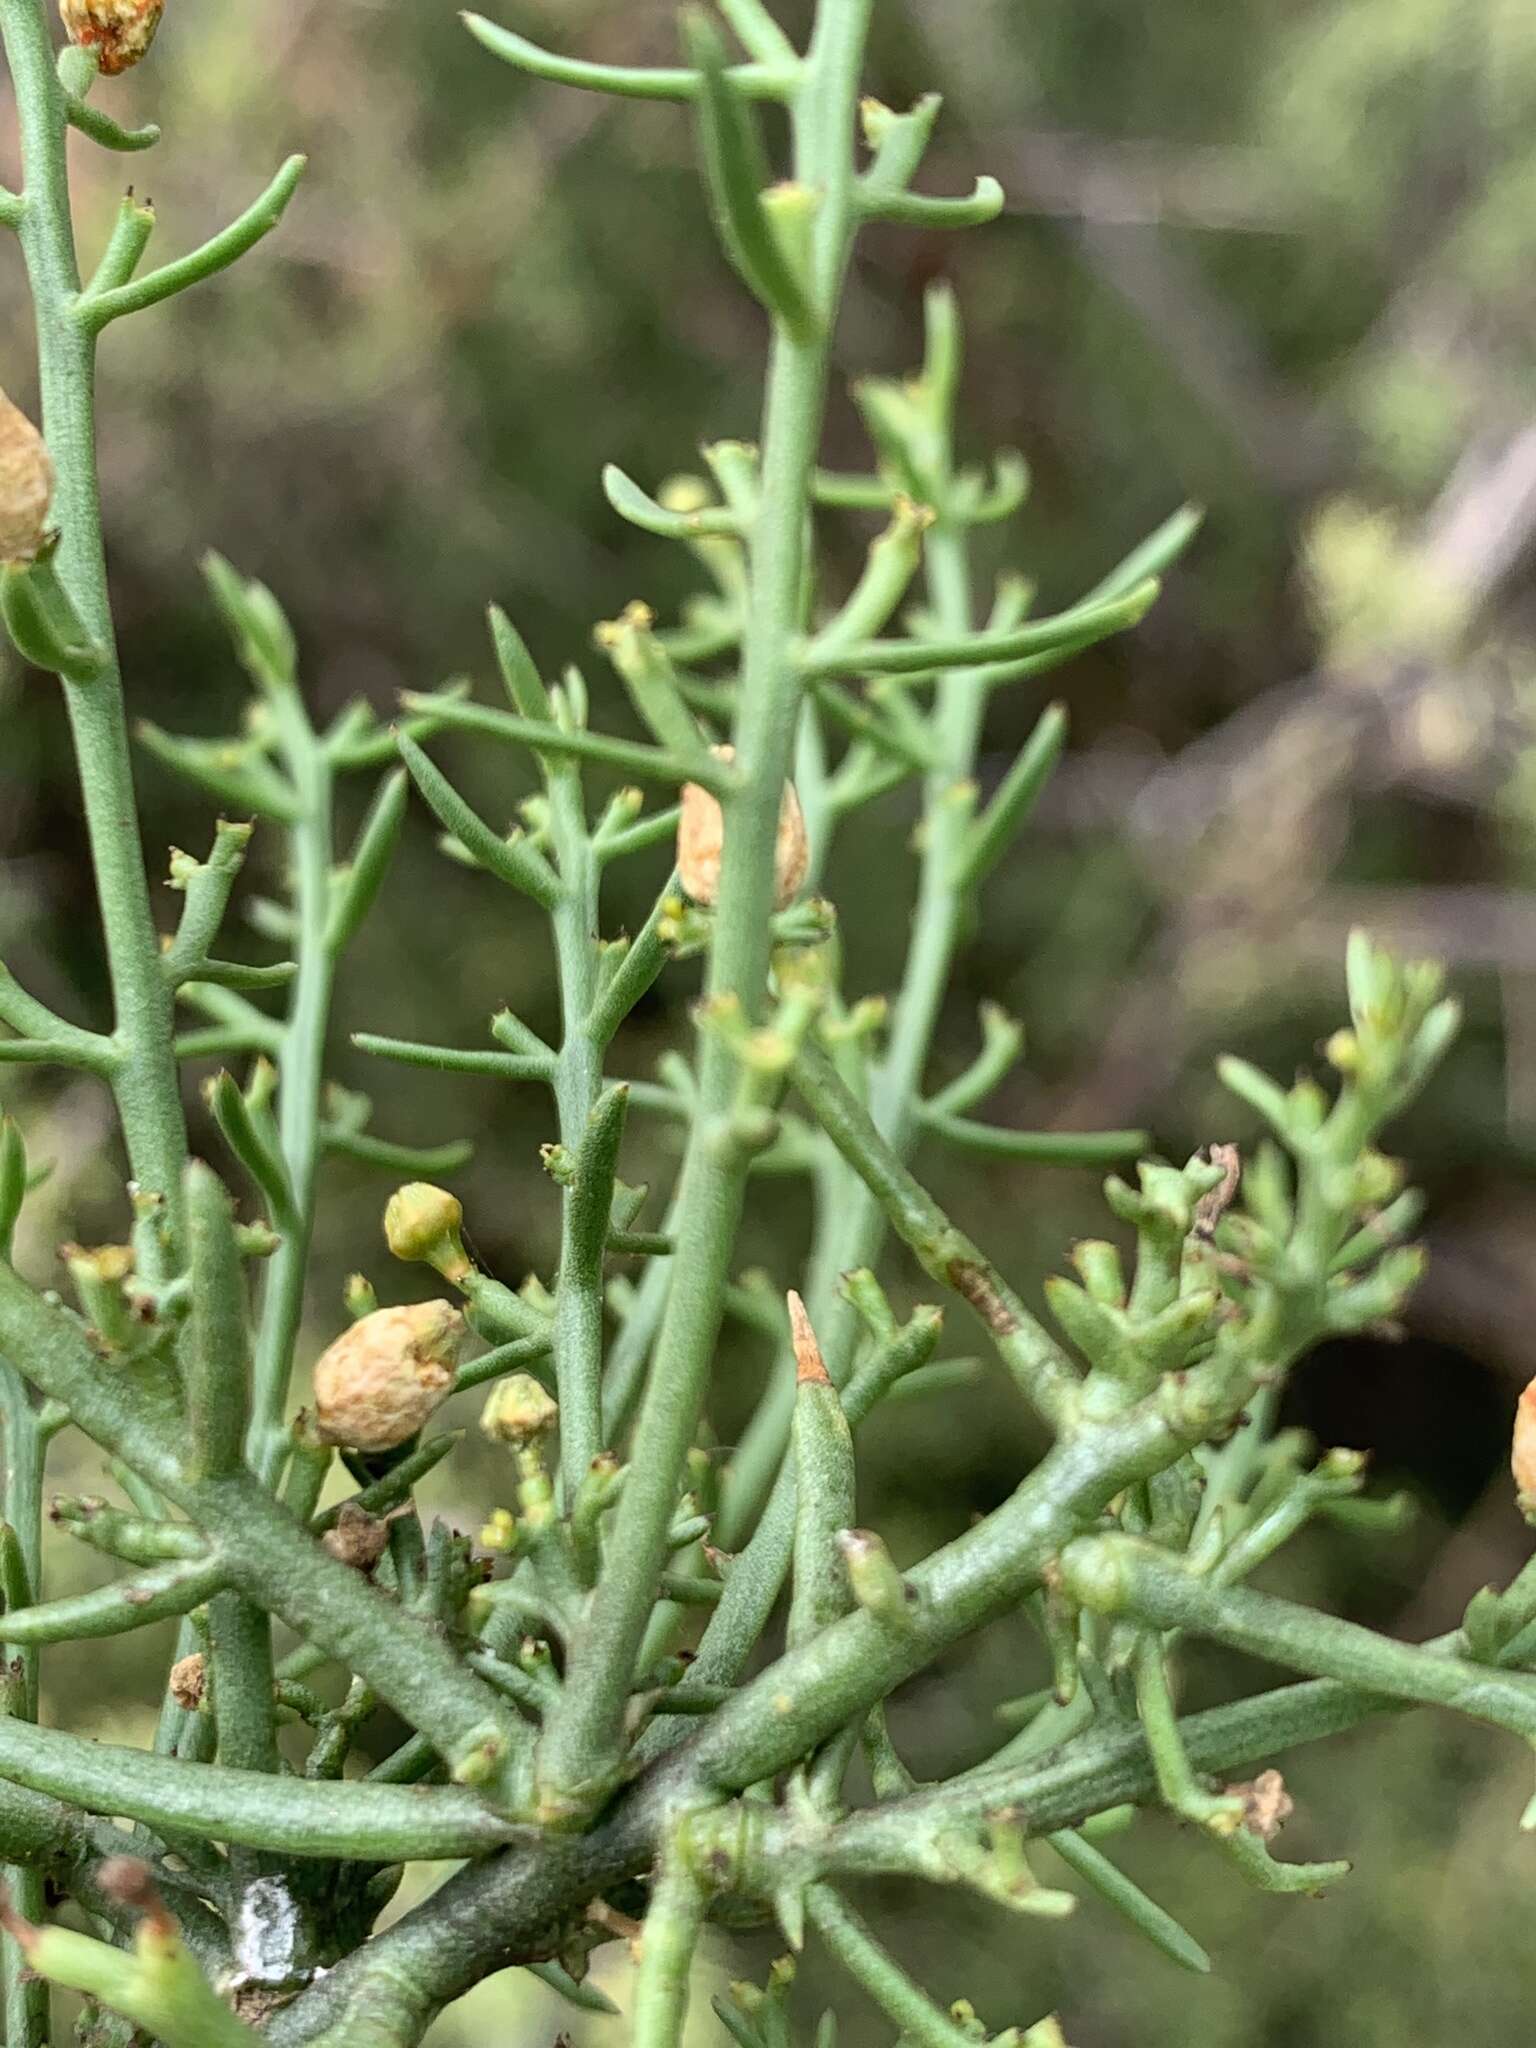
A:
(1212, 1206)
(976, 1285)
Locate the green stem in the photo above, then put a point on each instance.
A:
(118, 1608)
(1043, 1372)
(582, 1745)
(300, 1079)
(1130, 1574)
(145, 1084)
(297, 1816)
(672, 1927)
(242, 1684)
(578, 1320)
(757, 1576)
(851, 1223)
(26, 2001)
(921, 2021)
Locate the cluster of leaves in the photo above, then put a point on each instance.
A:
(582, 1722)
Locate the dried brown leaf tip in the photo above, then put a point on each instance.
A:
(809, 1363)
(380, 1380)
(131, 1883)
(119, 31)
(1267, 1806)
(701, 843)
(359, 1539)
(26, 485)
(1214, 1204)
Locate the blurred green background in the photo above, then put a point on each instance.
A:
(1276, 258)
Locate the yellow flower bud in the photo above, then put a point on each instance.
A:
(422, 1225)
(119, 31)
(380, 1380)
(519, 1411)
(500, 1532)
(701, 842)
(26, 485)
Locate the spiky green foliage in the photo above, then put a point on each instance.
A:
(560, 1743)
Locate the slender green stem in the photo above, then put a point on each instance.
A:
(578, 1320)
(300, 1065)
(95, 309)
(1043, 1372)
(26, 2001)
(758, 1573)
(120, 1607)
(1043, 1148)
(242, 1684)
(1123, 1574)
(582, 1744)
(295, 1815)
(759, 81)
(1070, 630)
(145, 1084)
(1128, 1899)
(851, 1223)
(630, 757)
(922, 2022)
(672, 1927)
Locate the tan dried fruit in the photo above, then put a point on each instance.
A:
(1267, 1806)
(359, 1539)
(701, 842)
(380, 1380)
(1522, 1456)
(189, 1681)
(119, 31)
(26, 485)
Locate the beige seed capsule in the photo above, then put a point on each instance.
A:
(1522, 1455)
(380, 1380)
(119, 31)
(701, 842)
(189, 1681)
(1267, 1806)
(26, 485)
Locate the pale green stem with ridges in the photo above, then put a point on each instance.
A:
(851, 1223)
(26, 2000)
(300, 1066)
(145, 1082)
(582, 1745)
(578, 1323)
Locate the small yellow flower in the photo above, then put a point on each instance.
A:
(519, 1411)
